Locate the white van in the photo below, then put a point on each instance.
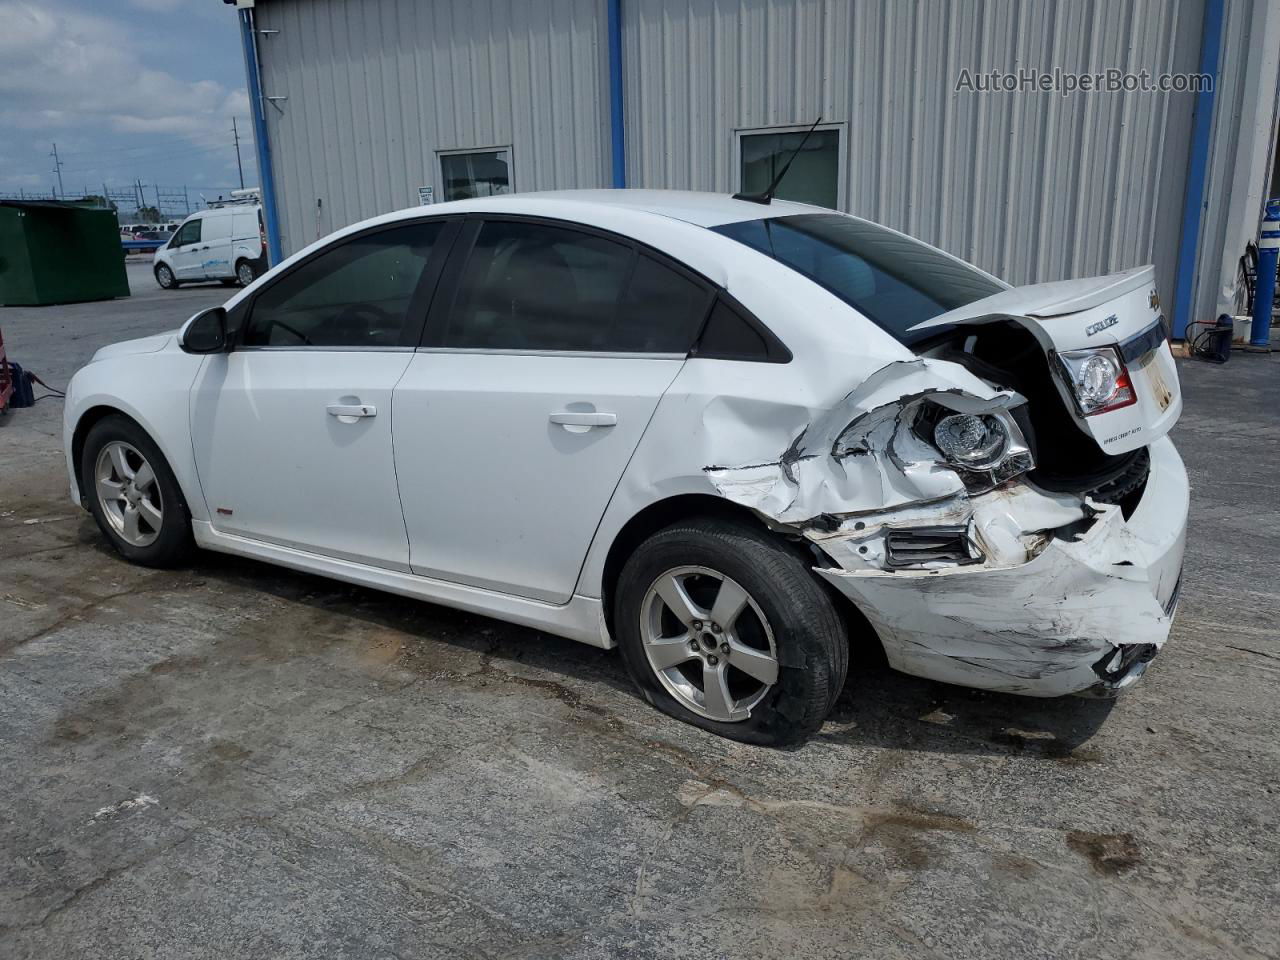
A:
(226, 242)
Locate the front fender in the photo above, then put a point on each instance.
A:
(154, 390)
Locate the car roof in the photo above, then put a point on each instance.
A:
(699, 209)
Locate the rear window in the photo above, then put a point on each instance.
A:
(893, 280)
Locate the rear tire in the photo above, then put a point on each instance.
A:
(133, 494)
(246, 272)
(165, 277)
(772, 607)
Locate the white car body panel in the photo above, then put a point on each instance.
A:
(186, 261)
(500, 511)
(153, 387)
(276, 466)
(471, 423)
(581, 619)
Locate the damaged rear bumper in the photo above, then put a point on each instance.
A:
(1084, 614)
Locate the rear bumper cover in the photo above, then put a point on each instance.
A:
(1083, 616)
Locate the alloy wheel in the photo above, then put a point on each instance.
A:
(164, 276)
(128, 493)
(244, 273)
(708, 642)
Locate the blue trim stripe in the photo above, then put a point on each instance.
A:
(616, 131)
(271, 219)
(1197, 167)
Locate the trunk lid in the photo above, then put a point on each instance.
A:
(1120, 310)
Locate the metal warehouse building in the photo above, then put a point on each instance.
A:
(365, 107)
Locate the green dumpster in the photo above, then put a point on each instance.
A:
(57, 252)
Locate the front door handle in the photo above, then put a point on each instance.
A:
(571, 418)
(352, 410)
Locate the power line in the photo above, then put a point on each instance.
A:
(135, 161)
(167, 141)
(141, 154)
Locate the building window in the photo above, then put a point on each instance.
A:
(476, 173)
(815, 176)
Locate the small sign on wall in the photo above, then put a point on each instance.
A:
(426, 195)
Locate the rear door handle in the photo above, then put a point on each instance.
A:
(571, 418)
(354, 410)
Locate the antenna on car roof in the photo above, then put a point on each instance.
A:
(767, 195)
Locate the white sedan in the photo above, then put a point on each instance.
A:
(722, 435)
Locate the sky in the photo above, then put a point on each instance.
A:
(129, 90)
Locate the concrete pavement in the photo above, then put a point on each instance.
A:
(236, 760)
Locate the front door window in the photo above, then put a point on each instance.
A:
(190, 233)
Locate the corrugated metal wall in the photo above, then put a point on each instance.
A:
(1031, 186)
(375, 88)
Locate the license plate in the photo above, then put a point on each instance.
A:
(1163, 395)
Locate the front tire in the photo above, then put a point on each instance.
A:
(723, 626)
(133, 494)
(165, 277)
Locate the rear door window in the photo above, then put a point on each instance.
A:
(532, 286)
(662, 312)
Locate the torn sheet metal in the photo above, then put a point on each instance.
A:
(1008, 526)
(1046, 627)
(860, 455)
(1044, 591)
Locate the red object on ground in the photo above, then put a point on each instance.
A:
(6, 377)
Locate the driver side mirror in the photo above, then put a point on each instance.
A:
(206, 332)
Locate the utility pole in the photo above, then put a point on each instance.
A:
(57, 166)
(239, 166)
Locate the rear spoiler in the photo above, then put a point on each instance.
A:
(1052, 299)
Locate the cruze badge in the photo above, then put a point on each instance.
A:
(1093, 328)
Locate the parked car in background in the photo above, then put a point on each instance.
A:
(226, 242)
(143, 239)
(718, 433)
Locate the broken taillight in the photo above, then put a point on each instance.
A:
(1098, 378)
